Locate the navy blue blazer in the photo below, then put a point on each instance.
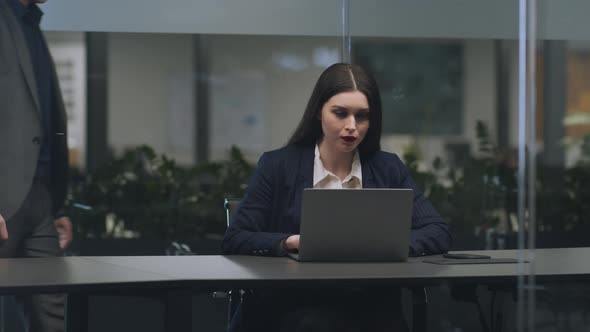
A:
(271, 209)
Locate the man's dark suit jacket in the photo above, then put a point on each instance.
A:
(20, 121)
(271, 208)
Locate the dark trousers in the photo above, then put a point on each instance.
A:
(31, 233)
(326, 309)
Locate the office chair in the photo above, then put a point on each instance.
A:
(234, 296)
(419, 309)
(419, 312)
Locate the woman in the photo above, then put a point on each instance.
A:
(336, 145)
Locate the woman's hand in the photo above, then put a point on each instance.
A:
(292, 243)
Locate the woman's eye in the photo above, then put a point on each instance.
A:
(362, 116)
(340, 114)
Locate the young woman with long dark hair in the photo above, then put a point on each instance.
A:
(336, 145)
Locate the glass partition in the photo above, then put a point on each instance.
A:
(452, 82)
(561, 136)
(450, 93)
(170, 105)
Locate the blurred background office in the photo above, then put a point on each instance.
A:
(170, 104)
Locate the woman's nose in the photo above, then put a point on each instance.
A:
(350, 123)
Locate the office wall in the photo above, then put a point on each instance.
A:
(255, 101)
(259, 86)
(388, 18)
(280, 17)
(151, 93)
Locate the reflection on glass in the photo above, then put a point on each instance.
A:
(422, 84)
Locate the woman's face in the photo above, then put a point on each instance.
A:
(345, 121)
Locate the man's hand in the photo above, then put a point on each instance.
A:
(63, 226)
(3, 229)
(292, 242)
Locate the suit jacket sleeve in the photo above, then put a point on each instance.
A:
(250, 229)
(430, 234)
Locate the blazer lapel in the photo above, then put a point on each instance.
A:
(305, 169)
(24, 57)
(368, 180)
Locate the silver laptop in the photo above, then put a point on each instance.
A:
(355, 225)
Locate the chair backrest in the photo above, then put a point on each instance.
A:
(231, 205)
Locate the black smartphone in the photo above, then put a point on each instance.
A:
(465, 256)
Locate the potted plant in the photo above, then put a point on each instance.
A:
(145, 196)
(472, 197)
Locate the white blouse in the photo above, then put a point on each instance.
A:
(324, 179)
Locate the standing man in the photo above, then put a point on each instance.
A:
(33, 153)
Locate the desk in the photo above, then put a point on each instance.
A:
(80, 277)
(175, 276)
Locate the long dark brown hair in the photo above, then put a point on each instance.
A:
(337, 78)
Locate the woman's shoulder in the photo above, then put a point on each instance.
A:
(384, 158)
(387, 165)
(286, 153)
(286, 161)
